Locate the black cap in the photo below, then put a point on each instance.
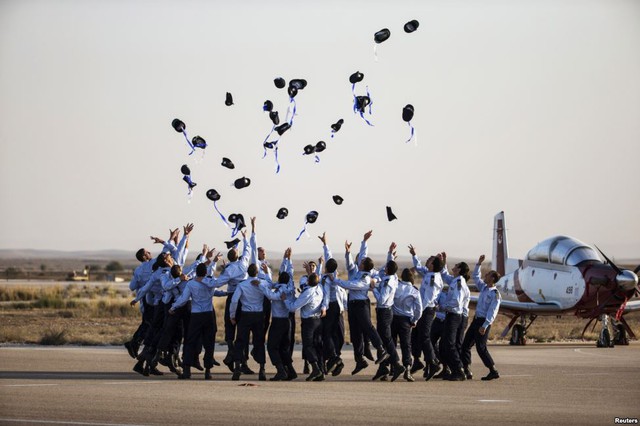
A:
(269, 145)
(227, 163)
(381, 35)
(187, 179)
(268, 105)
(282, 128)
(242, 182)
(275, 119)
(298, 83)
(337, 199)
(411, 26)
(228, 100)
(279, 82)
(321, 146)
(238, 219)
(232, 244)
(312, 216)
(337, 125)
(407, 113)
(282, 213)
(199, 142)
(390, 215)
(178, 125)
(293, 91)
(309, 149)
(362, 102)
(185, 170)
(356, 77)
(213, 195)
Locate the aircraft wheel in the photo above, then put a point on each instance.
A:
(605, 340)
(620, 335)
(517, 335)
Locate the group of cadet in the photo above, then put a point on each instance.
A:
(429, 322)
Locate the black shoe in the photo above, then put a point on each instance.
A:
(145, 371)
(444, 372)
(367, 352)
(468, 374)
(360, 365)
(237, 371)
(228, 362)
(491, 376)
(138, 368)
(315, 372)
(338, 369)
(129, 347)
(155, 372)
(305, 370)
(280, 375)
(262, 376)
(382, 356)
(407, 375)
(207, 374)
(319, 379)
(216, 363)
(457, 376)
(382, 371)
(332, 364)
(397, 372)
(197, 365)
(431, 371)
(417, 365)
(291, 372)
(384, 378)
(246, 370)
(184, 376)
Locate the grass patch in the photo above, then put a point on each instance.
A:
(53, 337)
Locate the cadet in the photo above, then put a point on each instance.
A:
(486, 312)
(407, 309)
(140, 277)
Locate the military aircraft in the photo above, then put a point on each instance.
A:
(562, 275)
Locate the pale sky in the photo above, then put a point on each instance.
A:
(531, 107)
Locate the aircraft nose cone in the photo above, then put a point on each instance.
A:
(627, 280)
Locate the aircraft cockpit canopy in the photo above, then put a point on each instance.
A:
(563, 250)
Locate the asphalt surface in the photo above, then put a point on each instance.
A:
(549, 384)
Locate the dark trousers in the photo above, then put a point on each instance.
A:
(332, 331)
(292, 333)
(449, 339)
(278, 343)
(460, 334)
(250, 322)
(436, 334)
(230, 329)
(202, 331)
(172, 328)
(473, 337)
(155, 329)
(266, 308)
(360, 325)
(311, 335)
(428, 315)
(147, 317)
(384, 317)
(401, 330)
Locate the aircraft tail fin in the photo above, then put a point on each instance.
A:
(500, 248)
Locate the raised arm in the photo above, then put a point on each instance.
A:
(252, 242)
(184, 298)
(475, 276)
(416, 262)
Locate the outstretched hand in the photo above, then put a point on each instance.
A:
(412, 250)
(367, 235)
(323, 238)
(481, 259)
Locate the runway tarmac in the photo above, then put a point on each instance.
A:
(549, 384)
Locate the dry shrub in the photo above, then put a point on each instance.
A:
(54, 337)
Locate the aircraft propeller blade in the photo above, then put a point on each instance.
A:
(613, 265)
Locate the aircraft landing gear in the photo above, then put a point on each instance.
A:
(518, 333)
(604, 340)
(619, 334)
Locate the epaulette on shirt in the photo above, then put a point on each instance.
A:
(416, 288)
(433, 280)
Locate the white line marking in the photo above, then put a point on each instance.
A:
(593, 354)
(494, 400)
(66, 422)
(33, 385)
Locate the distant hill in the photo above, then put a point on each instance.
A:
(60, 254)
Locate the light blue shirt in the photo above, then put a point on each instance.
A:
(309, 302)
(441, 314)
(488, 300)
(153, 288)
(431, 286)
(141, 275)
(254, 259)
(358, 287)
(235, 272)
(249, 295)
(407, 301)
(467, 294)
(173, 287)
(456, 296)
(332, 292)
(200, 293)
(385, 291)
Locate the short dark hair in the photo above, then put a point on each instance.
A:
(313, 280)
(176, 271)
(284, 278)
(392, 267)
(331, 266)
(407, 275)
(495, 275)
(437, 264)
(201, 270)
(253, 270)
(232, 255)
(367, 264)
(463, 268)
(140, 255)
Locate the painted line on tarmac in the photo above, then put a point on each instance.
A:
(65, 422)
(494, 400)
(594, 354)
(31, 385)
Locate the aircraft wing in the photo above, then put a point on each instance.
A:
(527, 307)
(632, 306)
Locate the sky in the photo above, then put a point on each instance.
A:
(527, 107)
